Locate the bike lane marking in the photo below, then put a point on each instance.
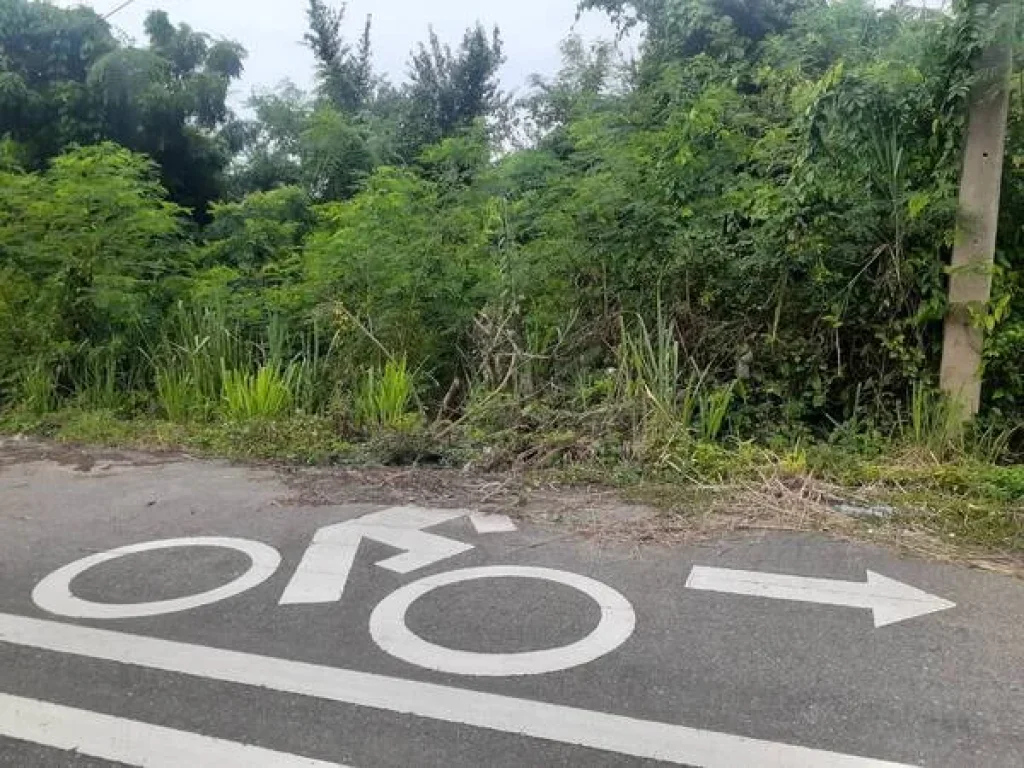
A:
(390, 631)
(53, 593)
(889, 601)
(132, 742)
(324, 570)
(554, 722)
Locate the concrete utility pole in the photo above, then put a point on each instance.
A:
(970, 282)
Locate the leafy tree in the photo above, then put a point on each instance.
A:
(265, 228)
(268, 146)
(84, 248)
(345, 78)
(294, 143)
(46, 54)
(169, 100)
(410, 271)
(335, 155)
(449, 90)
(686, 28)
(586, 76)
(65, 80)
(251, 262)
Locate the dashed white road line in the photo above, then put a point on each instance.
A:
(568, 725)
(131, 742)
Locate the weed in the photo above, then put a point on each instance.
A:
(38, 388)
(385, 398)
(96, 381)
(176, 393)
(316, 372)
(935, 424)
(991, 444)
(714, 407)
(202, 343)
(650, 382)
(265, 394)
(649, 370)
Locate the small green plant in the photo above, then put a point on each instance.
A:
(935, 422)
(714, 407)
(38, 388)
(265, 394)
(202, 342)
(385, 398)
(96, 382)
(177, 394)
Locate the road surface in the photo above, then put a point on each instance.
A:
(164, 611)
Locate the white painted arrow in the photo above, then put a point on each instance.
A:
(325, 567)
(889, 600)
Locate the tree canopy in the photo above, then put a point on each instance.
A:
(65, 79)
(761, 202)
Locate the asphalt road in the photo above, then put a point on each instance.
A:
(273, 632)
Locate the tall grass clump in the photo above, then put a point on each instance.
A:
(96, 380)
(933, 423)
(385, 397)
(205, 343)
(265, 394)
(714, 407)
(37, 388)
(650, 381)
(316, 371)
(176, 394)
(197, 345)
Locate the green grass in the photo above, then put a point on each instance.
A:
(298, 439)
(671, 408)
(265, 394)
(964, 501)
(177, 394)
(98, 383)
(38, 388)
(200, 343)
(385, 398)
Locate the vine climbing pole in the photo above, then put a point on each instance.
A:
(970, 282)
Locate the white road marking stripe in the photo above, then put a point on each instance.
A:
(568, 725)
(889, 600)
(131, 742)
(488, 523)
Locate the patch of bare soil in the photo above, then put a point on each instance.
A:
(521, 496)
(666, 515)
(23, 450)
(792, 504)
(649, 515)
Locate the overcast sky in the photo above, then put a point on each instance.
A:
(271, 30)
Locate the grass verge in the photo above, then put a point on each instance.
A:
(962, 509)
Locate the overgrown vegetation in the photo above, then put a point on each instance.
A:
(721, 259)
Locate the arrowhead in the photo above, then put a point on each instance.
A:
(894, 601)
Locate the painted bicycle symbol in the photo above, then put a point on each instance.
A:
(323, 572)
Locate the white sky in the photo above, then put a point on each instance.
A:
(271, 30)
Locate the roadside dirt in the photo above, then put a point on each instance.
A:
(639, 517)
(22, 450)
